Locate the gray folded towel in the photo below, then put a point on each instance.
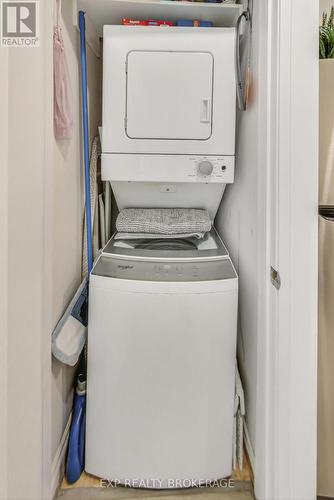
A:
(152, 236)
(168, 221)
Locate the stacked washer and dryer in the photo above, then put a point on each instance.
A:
(163, 312)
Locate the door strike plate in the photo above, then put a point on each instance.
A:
(275, 278)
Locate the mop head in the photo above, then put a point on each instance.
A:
(162, 222)
(69, 336)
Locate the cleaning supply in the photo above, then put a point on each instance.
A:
(194, 23)
(75, 458)
(76, 446)
(85, 128)
(69, 336)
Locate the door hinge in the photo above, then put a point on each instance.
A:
(275, 278)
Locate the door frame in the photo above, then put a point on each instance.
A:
(285, 463)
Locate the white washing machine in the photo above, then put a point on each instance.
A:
(161, 362)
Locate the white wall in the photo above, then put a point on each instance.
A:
(41, 221)
(325, 6)
(67, 214)
(26, 78)
(3, 269)
(237, 221)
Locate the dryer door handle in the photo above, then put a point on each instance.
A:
(205, 110)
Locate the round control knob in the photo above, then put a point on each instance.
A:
(205, 168)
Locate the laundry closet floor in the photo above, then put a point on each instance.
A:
(91, 488)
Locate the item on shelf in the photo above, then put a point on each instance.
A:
(133, 22)
(155, 22)
(147, 22)
(194, 22)
(205, 1)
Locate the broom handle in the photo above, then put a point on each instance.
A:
(84, 100)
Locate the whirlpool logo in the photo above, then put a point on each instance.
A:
(20, 23)
(124, 267)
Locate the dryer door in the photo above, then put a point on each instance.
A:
(169, 95)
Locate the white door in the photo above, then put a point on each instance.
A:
(287, 349)
(169, 95)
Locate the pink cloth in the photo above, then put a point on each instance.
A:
(63, 109)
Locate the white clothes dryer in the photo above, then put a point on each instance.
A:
(169, 113)
(168, 91)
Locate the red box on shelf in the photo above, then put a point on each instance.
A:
(133, 22)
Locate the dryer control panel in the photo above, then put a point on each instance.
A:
(168, 168)
(212, 167)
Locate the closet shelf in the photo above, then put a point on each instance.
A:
(101, 12)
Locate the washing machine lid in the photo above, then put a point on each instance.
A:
(169, 95)
(210, 247)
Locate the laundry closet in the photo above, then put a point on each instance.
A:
(189, 331)
(168, 146)
(178, 111)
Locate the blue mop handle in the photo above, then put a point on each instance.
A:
(82, 27)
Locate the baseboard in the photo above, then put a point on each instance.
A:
(57, 467)
(249, 448)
